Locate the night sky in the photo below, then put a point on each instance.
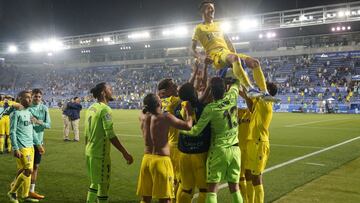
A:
(22, 20)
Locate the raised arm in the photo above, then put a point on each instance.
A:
(195, 72)
(194, 52)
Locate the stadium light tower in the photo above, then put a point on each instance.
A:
(12, 49)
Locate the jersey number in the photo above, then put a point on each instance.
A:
(228, 114)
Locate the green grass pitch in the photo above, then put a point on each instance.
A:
(63, 179)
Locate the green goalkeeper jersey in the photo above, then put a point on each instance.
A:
(222, 115)
(98, 130)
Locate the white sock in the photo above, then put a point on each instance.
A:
(32, 188)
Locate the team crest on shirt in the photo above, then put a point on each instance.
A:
(107, 117)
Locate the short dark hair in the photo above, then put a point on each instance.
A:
(187, 92)
(218, 88)
(271, 88)
(96, 91)
(205, 2)
(150, 103)
(164, 84)
(22, 93)
(37, 91)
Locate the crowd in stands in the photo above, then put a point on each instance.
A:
(301, 80)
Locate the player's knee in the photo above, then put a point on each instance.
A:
(256, 179)
(233, 58)
(27, 172)
(248, 175)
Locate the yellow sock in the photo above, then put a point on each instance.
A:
(250, 192)
(241, 75)
(18, 182)
(259, 78)
(26, 186)
(9, 143)
(242, 184)
(2, 143)
(259, 194)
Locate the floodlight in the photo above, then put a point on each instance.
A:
(247, 24)
(36, 47)
(139, 35)
(176, 31)
(341, 14)
(225, 26)
(12, 49)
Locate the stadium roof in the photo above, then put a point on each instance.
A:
(26, 20)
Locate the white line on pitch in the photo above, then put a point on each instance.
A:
(326, 128)
(314, 164)
(296, 146)
(320, 121)
(295, 160)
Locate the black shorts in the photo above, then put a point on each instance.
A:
(37, 156)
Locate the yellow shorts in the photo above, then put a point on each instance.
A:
(174, 156)
(5, 125)
(162, 175)
(258, 154)
(27, 159)
(219, 57)
(193, 171)
(242, 146)
(145, 182)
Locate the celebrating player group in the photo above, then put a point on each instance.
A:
(195, 135)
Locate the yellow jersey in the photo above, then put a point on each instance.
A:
(169, 104)
(261, 119)
(210, 36)
(244, 116)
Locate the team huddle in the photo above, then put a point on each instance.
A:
(195, 135)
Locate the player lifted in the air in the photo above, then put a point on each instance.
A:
(220, 50)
